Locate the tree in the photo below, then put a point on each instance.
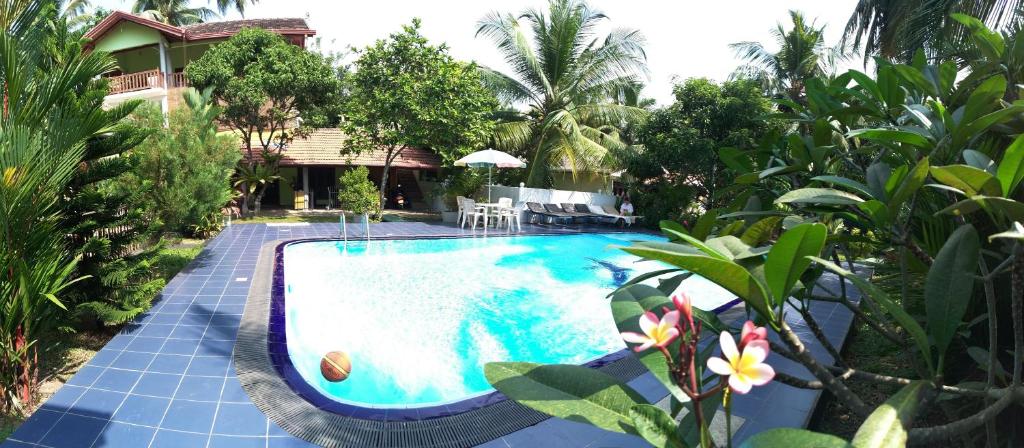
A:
(565, 79)
(408, 93)
(898, 29)
(680, 143)
(802, 55)
(178, 12)
(264, 85)
(184, 169)
(52, 131)
(172, 12)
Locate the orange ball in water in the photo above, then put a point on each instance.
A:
(335, 366)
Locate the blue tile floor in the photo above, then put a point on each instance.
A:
(167, 379)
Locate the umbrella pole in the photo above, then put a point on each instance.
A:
(489, 183)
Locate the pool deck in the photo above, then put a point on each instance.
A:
(167, 380)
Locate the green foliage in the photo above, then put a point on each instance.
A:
(887, 426)
(679, 157)
(406, 92)
(357, 193)
(185, 169)
(950, 285)
(52, 115)
(918, 169)
(802, 55)
(571, 392)
(565, 73)
(263, 85)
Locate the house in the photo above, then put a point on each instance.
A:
(313, 164)
(152, 56)
(151, 61)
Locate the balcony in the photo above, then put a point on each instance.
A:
(149, 79)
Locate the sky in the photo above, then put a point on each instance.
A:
(685, 38)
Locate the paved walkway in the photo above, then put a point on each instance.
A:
(167, 379)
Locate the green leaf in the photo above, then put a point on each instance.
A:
(627, 305)
(791, 437)
(1011, 168)
(656, 427)
(643, 277)
(910, 184)
(848, 183)
(669, 224)
(52, 298)
(887, 425)
(668, 286)
(892, 135)
(819, 196)
(761, 231)
(950, 285)
(729, 246)
(878, 175)
(575, 393)
(984, 98)
(787, 259)
(897, 312)
(1016, 233)
(968, 179)
(724, 273)
(1007, 208)
(695, 243)
(702, 228)
(979, 160)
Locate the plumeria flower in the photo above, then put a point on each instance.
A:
(752, 333)
(684, 305)
(656, 332)
(746, 368)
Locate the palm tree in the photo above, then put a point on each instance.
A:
(802, 55)
(172, 12)
(178, 12)
(563, 76)
(897, 29)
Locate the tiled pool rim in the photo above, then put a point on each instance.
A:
(277, 389)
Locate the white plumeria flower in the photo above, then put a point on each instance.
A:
(656, 333)
(745, 369)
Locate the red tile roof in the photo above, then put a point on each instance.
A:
(208, 30)
(323, 147)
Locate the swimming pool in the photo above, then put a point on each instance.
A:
(420, 318)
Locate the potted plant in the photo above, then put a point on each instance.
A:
(357, 194)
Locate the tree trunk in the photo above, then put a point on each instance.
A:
(388, 158)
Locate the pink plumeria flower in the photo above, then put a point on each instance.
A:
(656, 332)
(745, 369)
(752, 333)
(684, 305)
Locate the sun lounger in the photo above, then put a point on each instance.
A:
(613, 215)
(538, 210)
(571, 209)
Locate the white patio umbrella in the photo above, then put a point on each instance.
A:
(490, 158)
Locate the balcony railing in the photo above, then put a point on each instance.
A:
(149, 79)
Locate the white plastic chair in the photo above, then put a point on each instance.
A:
(509, 214)
(471, 209)
(462, 210)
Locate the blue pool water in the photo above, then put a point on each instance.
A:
(420, 318)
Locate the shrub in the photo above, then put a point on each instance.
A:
(357, 193)
(184, 169)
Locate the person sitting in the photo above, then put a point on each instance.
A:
(626, 209)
